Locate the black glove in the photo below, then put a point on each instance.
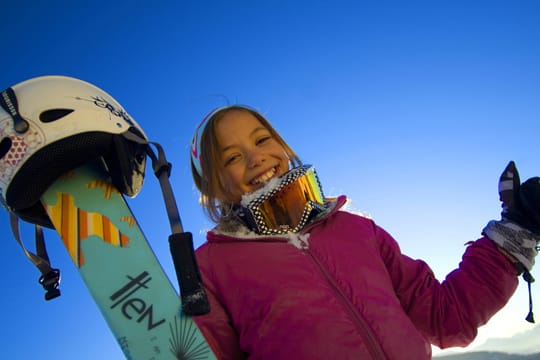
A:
(519, 230)
(521, 204)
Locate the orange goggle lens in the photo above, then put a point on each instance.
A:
(288, 205)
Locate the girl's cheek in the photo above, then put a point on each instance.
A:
(228, 192)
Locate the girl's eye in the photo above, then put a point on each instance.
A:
(231, 159)
(263, 139)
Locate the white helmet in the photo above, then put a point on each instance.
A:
(52, 124)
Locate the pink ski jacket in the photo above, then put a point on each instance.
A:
(345, 291)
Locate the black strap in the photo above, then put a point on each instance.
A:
(8, 101)
(194, 298)
(50, 277)
(162, 170)
(529, 279)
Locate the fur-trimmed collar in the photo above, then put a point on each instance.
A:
(235, 229)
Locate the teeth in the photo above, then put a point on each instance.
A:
(264, 177)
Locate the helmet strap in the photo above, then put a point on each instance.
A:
(50, 277)
(8, 101)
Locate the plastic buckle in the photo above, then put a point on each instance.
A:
(50, 282)
(162, 166)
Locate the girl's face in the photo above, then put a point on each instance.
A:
(250, 156)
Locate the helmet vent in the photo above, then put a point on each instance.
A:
(54, 114)
(5, 145)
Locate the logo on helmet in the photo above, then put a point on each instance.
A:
(101, 102)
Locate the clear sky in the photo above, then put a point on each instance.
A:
(412, 108)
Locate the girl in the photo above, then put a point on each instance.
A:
(290, 276)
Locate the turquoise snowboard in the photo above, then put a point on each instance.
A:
(120, 269)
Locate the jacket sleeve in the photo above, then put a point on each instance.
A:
(216, 326)
(448, 313)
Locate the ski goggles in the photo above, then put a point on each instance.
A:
(285, 204)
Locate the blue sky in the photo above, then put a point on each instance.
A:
(412, 108)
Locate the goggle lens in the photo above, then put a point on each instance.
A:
(290, 205)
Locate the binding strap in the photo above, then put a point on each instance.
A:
(194, 298)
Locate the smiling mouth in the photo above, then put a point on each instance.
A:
(264, 177)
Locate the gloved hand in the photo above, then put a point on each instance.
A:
(518, 232)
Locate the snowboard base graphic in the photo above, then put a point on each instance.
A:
(120, 269)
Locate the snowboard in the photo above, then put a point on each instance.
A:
(120, 269)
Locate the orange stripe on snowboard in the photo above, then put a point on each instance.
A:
(75, 225)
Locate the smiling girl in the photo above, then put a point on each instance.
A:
(290, 275)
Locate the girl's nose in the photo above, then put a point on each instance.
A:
(256, 158)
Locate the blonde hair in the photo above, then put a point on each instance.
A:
(209, 183)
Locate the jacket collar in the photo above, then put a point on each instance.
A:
(234, 231)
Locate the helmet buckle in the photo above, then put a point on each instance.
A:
(50, 282)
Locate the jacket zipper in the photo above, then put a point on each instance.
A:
(371, 344)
